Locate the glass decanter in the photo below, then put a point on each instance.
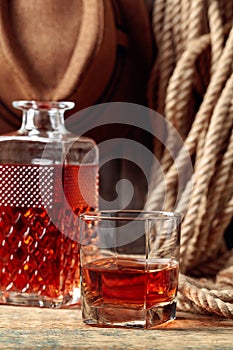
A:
(48, 177)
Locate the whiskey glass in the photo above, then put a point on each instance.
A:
(129, 267)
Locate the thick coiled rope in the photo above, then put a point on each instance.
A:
(191, 84)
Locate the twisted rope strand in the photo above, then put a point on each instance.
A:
(204, 299)
(218, 190)
(176, 29)
(184, 25)
(217, 33)
(158, 15)
(165, 58)
(196, 14)
(179, 88)
(185, 304)
(224, 295)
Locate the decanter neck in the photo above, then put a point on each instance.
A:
(41, 118)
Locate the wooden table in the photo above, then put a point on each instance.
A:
(34, 328)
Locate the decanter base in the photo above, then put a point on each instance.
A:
(35, 300)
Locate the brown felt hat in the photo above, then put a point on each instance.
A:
(87, 51)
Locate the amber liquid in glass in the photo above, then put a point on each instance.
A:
(126, 282)
(39, 247)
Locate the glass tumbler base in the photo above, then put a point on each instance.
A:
(128, 317)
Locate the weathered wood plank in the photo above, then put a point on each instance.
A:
(34, 328)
